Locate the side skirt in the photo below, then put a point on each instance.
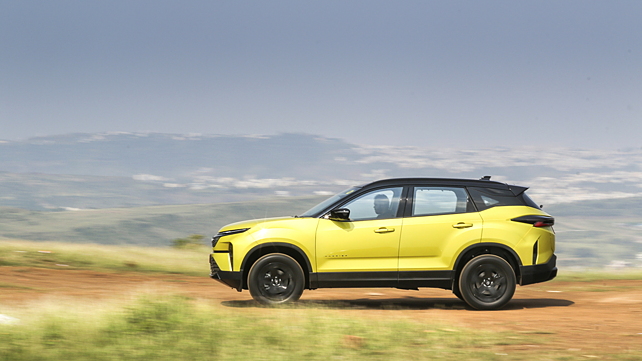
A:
(431, 279)
(404, 280)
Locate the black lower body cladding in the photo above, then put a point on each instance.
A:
(231, 279)
(539, 273)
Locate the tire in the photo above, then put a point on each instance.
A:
(276, 278)
(487, 282)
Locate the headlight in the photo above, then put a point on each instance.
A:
(226, 233)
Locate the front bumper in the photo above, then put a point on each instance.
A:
(538, 273)
(231, 279)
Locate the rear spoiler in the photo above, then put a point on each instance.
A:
(517, 190)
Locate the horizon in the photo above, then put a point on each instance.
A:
(306, 163)
(96, 136)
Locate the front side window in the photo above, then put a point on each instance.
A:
(314, 211)
(439, 200)
(379, 204)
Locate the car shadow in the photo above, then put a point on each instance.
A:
(406, 303)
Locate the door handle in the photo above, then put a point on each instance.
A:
(384, 230)
(462, 225)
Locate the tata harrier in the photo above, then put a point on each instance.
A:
(478, 238)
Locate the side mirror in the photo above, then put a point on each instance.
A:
(340, 214)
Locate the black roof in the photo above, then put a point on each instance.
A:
(483, 183)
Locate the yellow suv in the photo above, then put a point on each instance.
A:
(478, 238)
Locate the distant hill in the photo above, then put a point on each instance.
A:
(108, 170)
(148, 226)
(175, 157)
(599, 233)
(124, 170)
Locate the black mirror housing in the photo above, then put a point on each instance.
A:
(340, 214)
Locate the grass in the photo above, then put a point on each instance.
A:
(15, 287)
(171, 327)
(595, 274)
(165, 327)
(191, 261)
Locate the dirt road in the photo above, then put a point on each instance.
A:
(602, 317)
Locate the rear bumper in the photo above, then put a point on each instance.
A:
(539, 273)
(231, 279)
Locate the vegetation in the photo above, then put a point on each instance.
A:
(192, 241)
(595, 274)
(190, 261)
(170, 328)
(163, 327)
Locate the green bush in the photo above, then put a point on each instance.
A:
(192, 241)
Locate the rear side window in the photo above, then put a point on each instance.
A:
(529, 202)
(439, 200)
(485, 198)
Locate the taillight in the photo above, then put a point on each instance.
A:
(543, 224)
(536, 221)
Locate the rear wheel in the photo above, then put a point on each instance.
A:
(487, 282)
(276, 278)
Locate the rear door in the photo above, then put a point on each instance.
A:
(440, 222)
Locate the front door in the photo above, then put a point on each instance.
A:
(365, 249)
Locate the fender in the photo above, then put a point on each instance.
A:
(460, 259)
(299, 255)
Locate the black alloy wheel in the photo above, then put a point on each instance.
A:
(487, 282)
(276, 278)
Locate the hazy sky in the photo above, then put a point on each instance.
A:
(424, 73)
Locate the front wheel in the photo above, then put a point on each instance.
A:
(487, 282)
(276, 278)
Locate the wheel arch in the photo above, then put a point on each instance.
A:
(275, 247)
(497, 249)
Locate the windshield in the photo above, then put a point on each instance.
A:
(314, 211)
